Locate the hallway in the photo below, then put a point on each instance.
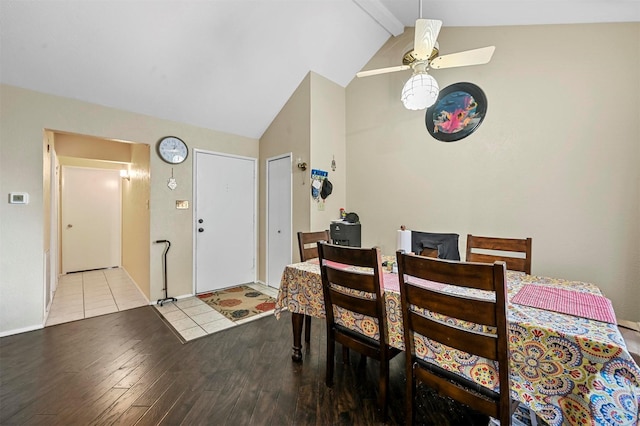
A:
(89, 294)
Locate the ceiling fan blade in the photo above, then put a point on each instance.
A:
(426, 33)
(382, 71)
(463, 59)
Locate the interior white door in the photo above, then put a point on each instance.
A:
(225, 213)
(278, 218)
(91, 219)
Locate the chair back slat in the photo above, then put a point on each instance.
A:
(307, 243)
(452, 305)
(447, 272)
(513, 263)
(355, 304)
(354, 256)
(357, 281)
(478, 343)
(508, 245)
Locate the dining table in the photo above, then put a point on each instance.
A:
(570, 368)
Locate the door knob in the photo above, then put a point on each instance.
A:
(69, 226)
(200, 229)
(200, 220)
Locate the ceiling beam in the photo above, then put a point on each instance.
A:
(382, 16)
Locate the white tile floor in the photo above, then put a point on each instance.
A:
(193, 318)
(89, 294)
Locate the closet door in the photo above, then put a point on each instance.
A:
(279, 241)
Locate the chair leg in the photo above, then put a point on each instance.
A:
(363, 359)
(330, 358)
(307, 329)
(410, 395)
(383, 385)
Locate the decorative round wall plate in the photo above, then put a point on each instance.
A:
(458, 111)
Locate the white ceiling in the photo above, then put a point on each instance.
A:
(229, 65)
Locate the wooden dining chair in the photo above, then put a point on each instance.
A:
(308, 245)
(350, 292)
(493, 244)
(419, 302)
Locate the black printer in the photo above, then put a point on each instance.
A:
(345, 233)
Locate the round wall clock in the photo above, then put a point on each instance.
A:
(173, 150)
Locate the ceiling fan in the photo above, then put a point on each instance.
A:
(421, 90)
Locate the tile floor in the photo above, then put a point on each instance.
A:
(89, 294)
(192, 318)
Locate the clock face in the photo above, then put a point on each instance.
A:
(172, 150)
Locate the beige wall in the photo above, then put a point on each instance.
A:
(81, 146)
(556, 159)
(311, 126)
(136, 218)
(24, 115)
(328, 141)
(288, 133)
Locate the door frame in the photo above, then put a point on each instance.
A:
(54, 231)
(194, 218)
(267, 220)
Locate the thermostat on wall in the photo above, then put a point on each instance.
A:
(18, 198)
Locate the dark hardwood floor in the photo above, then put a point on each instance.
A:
(129, 368)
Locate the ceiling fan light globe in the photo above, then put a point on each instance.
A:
(420, 92)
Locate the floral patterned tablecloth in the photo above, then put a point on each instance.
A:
(568, 369)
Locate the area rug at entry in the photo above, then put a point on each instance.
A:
(238, 303)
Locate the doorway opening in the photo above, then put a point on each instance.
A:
(78, 241)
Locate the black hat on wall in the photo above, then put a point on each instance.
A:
(327, 188)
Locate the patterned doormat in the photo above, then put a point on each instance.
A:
(239, 303)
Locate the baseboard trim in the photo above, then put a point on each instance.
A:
(21, 330)
(135, 283)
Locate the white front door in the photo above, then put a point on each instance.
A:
(278, 218)
(91, 219)
(225, 221)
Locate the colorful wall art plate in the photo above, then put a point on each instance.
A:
(458, 111)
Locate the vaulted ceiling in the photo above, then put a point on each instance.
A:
(230, 65)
